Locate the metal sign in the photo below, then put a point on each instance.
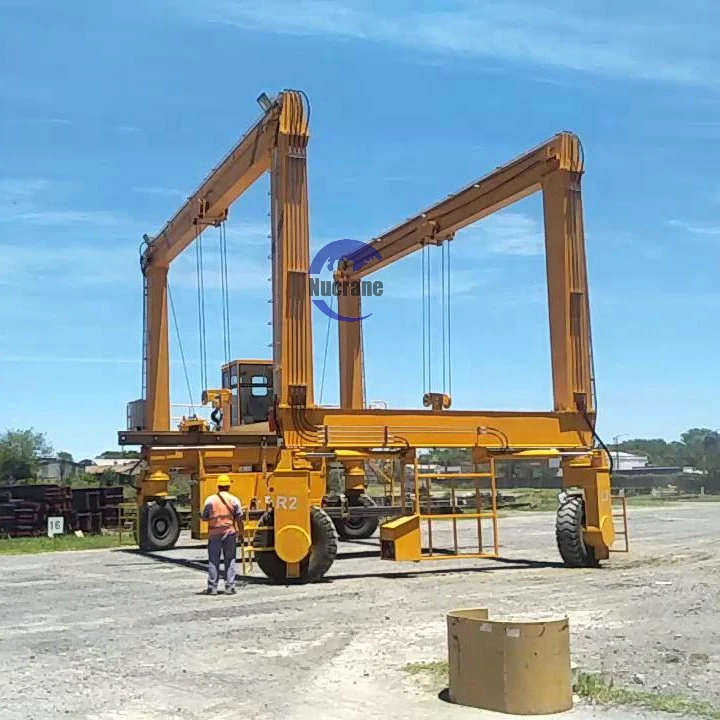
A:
(55, 526)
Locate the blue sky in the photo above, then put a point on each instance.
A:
(113, 112)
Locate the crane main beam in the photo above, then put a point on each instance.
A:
(239, 169)
(506, 185)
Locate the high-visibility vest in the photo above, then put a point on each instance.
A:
(222, 517)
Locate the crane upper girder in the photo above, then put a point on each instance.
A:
(502, 187)
(239, 169)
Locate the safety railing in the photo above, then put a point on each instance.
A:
(622, 533)
(427, 508)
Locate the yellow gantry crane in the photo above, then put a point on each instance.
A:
(279, 468)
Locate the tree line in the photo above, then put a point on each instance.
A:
(697, 447)
(22, 452)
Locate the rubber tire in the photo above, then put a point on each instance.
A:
(362, 528)
(317, 562)
(569, 534)
(159, 526)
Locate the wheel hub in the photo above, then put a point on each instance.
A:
(160, 527)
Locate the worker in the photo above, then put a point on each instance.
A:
(223, 513)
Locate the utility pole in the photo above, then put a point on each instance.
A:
(617, 448)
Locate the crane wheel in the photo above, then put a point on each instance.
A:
(159, 526)
(569, 534)
(317, 562)
(358, 528)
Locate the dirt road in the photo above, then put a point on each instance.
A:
(118, 635)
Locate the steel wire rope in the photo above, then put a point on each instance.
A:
(327, 343)
(429, 321)
(362, 355)
(424, 322)
(201, 306)
(225, 291)
(442, 302)
(448, 321)
(182, 351)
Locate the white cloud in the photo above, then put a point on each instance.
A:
(247, 233)
(60, 217)
(505, 233)
(671, 44)
(11, 188)
(69, 359)
(695, 228)
(19, 204)
(61, 264)
(249, 276)
(163, 192)
(405, 288)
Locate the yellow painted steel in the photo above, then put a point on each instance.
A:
(270, 463)
(400, 539)
(499, 431)
(156, 485)
(291, 503)
(622, 516)
(591, 474)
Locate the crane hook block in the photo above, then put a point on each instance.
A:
(437, 401)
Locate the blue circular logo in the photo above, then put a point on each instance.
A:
(330, 256)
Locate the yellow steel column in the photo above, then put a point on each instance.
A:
(157, 401)
(352, 390)
(569, 309)
(592, 474)
(292, 317)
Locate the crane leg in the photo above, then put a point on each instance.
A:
(158, 526)
(584, 527)
(356, 528)
(295, 540)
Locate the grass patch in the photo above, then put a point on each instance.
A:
(598, 690)
(436, 672)
(29, 546)
(595, 689)
(539, 499)
(666, 499)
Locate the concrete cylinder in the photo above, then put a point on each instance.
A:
(517, 665)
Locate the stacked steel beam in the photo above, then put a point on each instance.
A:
(24, 509)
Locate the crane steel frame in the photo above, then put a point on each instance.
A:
(555, 168)
(302, 436)
(277, 144)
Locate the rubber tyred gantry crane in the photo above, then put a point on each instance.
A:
(280, 470)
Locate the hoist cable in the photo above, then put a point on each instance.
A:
(362, 365)
(442, 273)
(327, 343)
(182, 351)
(222, 295)
(424, 322)
(225, 292)
(449, 337)
(201, 307)
(429, 320)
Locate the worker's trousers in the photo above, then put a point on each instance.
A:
(227, 547)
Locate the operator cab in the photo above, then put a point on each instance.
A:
(251, 385)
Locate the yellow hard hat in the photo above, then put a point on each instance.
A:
(223, 480)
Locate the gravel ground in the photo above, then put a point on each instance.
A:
(114, 634)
